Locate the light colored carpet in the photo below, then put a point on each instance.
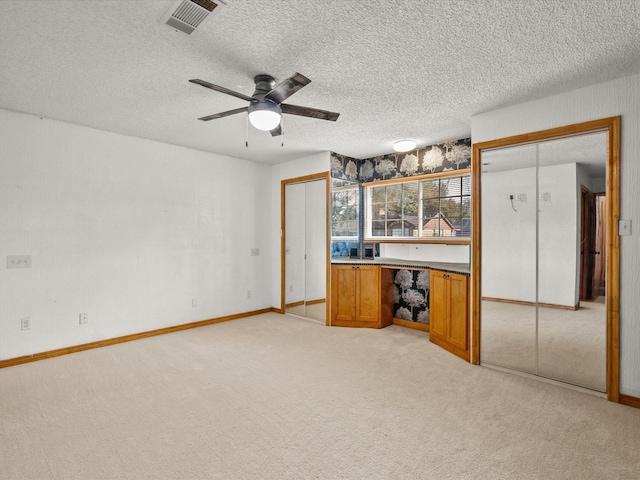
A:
(277, 397)
(571, 344)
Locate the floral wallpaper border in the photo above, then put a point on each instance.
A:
(447, 156)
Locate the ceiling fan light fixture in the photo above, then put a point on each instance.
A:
(404, 145)
(265, 115)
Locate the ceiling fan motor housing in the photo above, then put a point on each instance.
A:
(264, 84)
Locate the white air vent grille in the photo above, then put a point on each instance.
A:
(186, 15)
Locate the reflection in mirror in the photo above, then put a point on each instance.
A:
(571, 327)
(305, 249)
(543, 311)
(509, 258)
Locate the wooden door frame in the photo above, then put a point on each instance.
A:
(304, 179)
(610, 125)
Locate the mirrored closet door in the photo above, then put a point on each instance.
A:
(305, 248)
(543, 293)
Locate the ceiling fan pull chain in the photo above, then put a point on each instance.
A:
(282, 129)
(246, 125)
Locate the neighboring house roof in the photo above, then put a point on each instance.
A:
(437, 222)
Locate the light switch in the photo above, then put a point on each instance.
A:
(18, 261)
(624, 227)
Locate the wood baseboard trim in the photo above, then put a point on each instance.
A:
(531, 304)
(409, 324)
(294, 304)
(317, 301)
(302, 302)
(629, 401)
(128, 338)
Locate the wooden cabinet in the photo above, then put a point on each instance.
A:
(360, 296)
(449, 318)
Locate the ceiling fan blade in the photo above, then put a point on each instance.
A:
(218, 88)
(309, 112)
(277, 131)
(287, 87)
(224, 114)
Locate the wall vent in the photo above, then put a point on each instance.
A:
(187, 15)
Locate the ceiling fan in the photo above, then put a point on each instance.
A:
(265, 105)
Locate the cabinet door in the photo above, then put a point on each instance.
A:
(450, 313)
(458, 324)
(343, 291)
(438, 306)
(367, 294)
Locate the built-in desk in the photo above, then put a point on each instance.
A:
(400, 287)
(427, 296)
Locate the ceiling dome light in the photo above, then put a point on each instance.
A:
(404, 145)
(265, 115)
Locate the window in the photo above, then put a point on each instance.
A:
(427, 208)
(394, 210)
(344, 212)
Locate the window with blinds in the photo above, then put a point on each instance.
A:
(424, 208)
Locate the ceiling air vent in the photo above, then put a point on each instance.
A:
(186, 15)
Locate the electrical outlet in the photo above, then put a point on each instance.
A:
(248, 294)
(84, 318)
(255, 252)
(25, 323)
(194, 302)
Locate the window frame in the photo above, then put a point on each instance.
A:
(367, 234)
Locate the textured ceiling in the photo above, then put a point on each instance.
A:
(393, 69)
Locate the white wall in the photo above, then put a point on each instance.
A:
(426, 252)
(126, 229)
(618, 97)
(508, 235)
(558, 235)
(316, 163)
